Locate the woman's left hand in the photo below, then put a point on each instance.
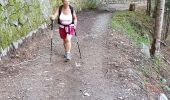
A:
(57, 30)
(75, 26)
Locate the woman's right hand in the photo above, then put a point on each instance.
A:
(52, 17)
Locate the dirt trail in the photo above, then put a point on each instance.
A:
(107, 70)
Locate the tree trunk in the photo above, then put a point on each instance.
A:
(155, 48)
(149, 7)
(154, 11)
(167, 25)
(132, 7)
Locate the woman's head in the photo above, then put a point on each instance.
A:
(66, 2)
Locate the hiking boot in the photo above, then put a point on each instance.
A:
(64, 55)
(68, 57)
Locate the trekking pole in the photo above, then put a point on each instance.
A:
(77, 43)
(52, 21)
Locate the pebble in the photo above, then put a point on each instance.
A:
(162, 97)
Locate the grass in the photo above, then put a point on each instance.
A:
(88, 4)
(132, 24)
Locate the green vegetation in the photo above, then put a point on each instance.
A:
(17, 19)
(168, 4)
(55, 3)
(136, 25)
(78, 5)
(89, 4)
(157, 62)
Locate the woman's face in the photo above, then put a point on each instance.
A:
(65, 2)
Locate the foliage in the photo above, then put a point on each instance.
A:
(89, 4)
(17, 19)
(132, 23)
(55, 3)
(168, 4)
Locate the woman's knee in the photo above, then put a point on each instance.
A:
(67, 40)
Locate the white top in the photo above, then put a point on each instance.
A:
(65, 19)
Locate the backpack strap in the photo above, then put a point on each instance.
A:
(71, 8)
(59, 13)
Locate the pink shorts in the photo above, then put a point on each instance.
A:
(63, 33)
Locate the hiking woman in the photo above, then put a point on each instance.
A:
(67, 21)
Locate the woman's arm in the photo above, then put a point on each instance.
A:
(53, 17)
(75, 19)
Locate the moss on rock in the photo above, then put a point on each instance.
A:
(17, 19)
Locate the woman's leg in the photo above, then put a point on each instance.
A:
(67, 45)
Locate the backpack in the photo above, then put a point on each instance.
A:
(59, 13)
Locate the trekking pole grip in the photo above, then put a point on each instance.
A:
(52, 27)
(52, 24)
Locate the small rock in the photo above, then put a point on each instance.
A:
(34, 55)
(168, 95)
(135, 86)
(61, 85)
(77, 64)
(122, 42)
(121, 98)
(17, 56)
(30, 88)
(162, 97)
(45, 71)
(86, 94)
(115, 71)
(168, 82)
(167, 88)
(145, 50)
(1, 72)
(48, 79)
(163, 81)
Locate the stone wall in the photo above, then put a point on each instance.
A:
(19, 19)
